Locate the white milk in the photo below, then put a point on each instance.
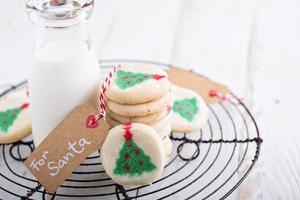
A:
(64, 74)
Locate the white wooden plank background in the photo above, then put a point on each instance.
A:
(253, 46)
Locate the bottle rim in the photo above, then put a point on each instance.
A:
(59, 14)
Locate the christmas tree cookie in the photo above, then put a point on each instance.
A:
(133, 154)
(138, 83)
(190, 112)
(15, 122)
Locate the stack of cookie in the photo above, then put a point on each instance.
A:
(141, 94)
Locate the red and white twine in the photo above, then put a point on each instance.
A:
(105, 84)
(229, 97)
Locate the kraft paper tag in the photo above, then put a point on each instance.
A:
(196, 82)
(66, 147)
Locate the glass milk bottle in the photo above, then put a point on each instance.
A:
(64, 69)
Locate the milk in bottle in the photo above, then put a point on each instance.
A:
(64, 69)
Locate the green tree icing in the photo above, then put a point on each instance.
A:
(129, 79)
(8, 117)
(186, 108)
(132, 160)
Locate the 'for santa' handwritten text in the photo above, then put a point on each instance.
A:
(76, 147)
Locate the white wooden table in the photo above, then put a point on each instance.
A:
(253, 46)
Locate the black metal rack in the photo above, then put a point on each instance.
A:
(210, 164)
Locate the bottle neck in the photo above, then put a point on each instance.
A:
(62, 44)
(72, 35)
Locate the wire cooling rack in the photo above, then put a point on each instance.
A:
(209, 164)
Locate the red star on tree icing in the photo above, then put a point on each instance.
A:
(127, 135)
(25, 105)
(157, 77)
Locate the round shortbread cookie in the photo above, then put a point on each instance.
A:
(148, 119)
(133, 155)
(190, 112)
(158, 126)
(168, 144)
(165, 131)
(138, 83)
(15, 121)
(167, 158)
(112, 123)
(140, 109)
